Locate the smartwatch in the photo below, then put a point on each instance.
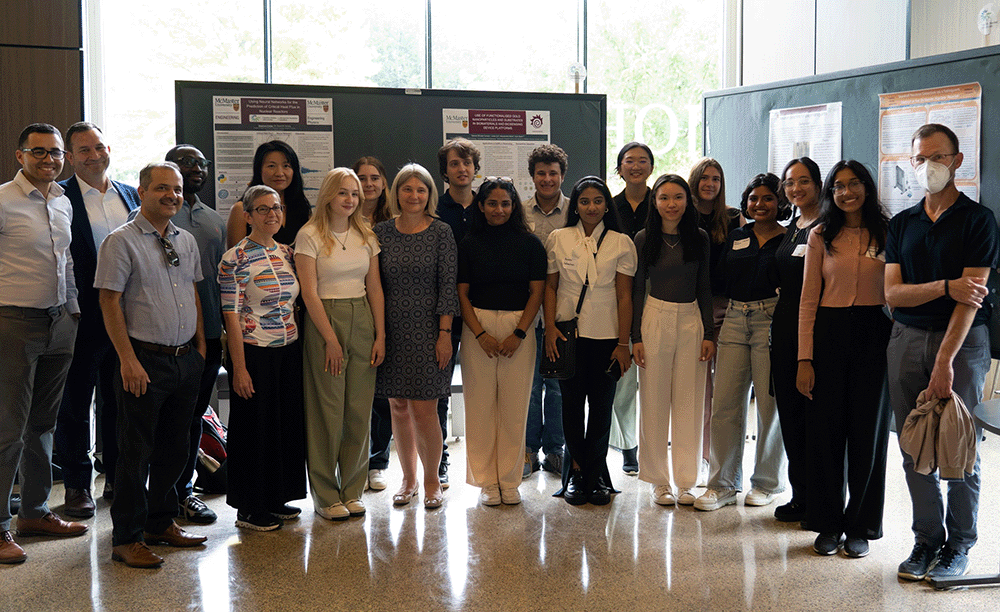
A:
(520, 333)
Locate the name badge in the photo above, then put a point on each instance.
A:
(874, 254)
(800, 251)
(739, 245)
(571, 263)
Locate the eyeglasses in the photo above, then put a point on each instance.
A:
(637, 162)
(937, 158)
(802, 182)
(498, 179)
(191, 162)
(168, 250)
(266, 210)
(42, 153)
(855, 186)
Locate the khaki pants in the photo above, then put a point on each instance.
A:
(338, 408)
(496, 392)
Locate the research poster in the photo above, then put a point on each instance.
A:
(241, 124)
(900, 114)
(505, 138)
(806, 131)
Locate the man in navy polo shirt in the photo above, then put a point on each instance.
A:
(938, 256)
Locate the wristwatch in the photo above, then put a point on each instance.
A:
(520, 333)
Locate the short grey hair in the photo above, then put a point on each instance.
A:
(252, 194)
(146, 174)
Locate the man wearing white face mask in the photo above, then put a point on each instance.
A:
(938, 256)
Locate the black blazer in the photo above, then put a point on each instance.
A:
(82, 247)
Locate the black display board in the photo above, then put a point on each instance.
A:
(736, 120)
(399, 126)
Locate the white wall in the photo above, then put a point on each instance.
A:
(777, 40)
(858, 33)
(939, 27)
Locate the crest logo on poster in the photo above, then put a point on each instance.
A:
(223, 194)
(236, 106)
(326, 108)
(465, 123)
(536, 121)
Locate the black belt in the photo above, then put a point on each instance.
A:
(176, 351)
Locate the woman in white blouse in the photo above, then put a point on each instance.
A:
(590, 249)
(259, 288)
(337, 261)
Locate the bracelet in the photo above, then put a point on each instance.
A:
(947, 293)
(625, 345)
(442, 329)
(480, 334)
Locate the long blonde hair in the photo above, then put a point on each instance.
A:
(321, 218)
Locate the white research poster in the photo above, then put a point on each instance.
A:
(504, 137)
(807, 131)
(959, 107)
(242, 123)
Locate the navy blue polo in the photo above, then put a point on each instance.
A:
(455, 215)
(748, 267)
(964, 236)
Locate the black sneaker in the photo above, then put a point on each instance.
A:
(553, 463)
(576, 491)
(601, 495)
(827, 544)
(193, 510)
(921, 559)
(792, 512)
(630, 461)
(951, 564)
(856, 548)
(286, 512)
(443, 474)
(258, 521)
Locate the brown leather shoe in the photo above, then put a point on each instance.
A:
(79, 503)
(51, 525)
(10, 552)
(174, 536)
(136, 554)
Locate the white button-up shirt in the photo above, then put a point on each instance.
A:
(105, 211)
(571, 254)
(36, 267)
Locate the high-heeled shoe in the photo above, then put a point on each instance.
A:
(403, 497)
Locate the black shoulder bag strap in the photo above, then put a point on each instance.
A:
(586, 281)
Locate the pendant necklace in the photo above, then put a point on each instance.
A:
(343, 243)
(667, 242)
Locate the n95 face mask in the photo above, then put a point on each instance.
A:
(932, 176)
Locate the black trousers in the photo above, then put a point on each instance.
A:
(381, 434)
(213, 360)
(793, 407)
(849, 419)
(153, 438)
(587, 439)
(266, 445)
(456, 336)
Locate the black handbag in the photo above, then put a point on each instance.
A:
(564, 366)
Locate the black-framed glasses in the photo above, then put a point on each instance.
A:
(42, 153)
(169, 252)
(190, 162)
(266, 210)
(498, 179)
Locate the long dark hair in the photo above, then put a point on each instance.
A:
(873, 216)
(477, 220)
(611, 220)
(692, 243)
(771, 182)
(811, 167)
(381, 212)
(297, 207)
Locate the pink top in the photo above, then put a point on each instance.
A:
(853, 275)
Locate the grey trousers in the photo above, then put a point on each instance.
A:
(37, 349)
(911, 356)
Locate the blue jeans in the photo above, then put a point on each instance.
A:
(742, 359)
(544, 428)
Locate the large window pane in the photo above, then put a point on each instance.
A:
(522, 45)
(653, 59)
(339, 42)
(147, 46)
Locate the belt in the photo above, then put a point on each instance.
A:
(176, 351)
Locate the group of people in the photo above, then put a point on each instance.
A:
(344, 323)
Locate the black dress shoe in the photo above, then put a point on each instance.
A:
(576, 490)
(601, 494)
(792, 512)
(630, 460)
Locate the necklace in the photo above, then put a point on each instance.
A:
(669, 244)
(343, 243)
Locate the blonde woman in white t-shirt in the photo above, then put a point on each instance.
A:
(336, 256)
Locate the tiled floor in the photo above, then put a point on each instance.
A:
(541, 555)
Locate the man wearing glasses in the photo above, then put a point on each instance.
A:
(147, 272)
(938, 255)
(38, 321)
(99, 206)
(209, 231)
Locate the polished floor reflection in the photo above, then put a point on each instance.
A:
(541, 555)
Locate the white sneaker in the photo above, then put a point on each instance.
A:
(376, 480)
(756, 497)
(713, 500)
(663, 495)
(511, 497)
(490, 495)
(685, 498)
(336, 512)
(355, 507)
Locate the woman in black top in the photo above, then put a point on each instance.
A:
(276, 165)
(743, 353)
(802, 182)
(501, 282)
